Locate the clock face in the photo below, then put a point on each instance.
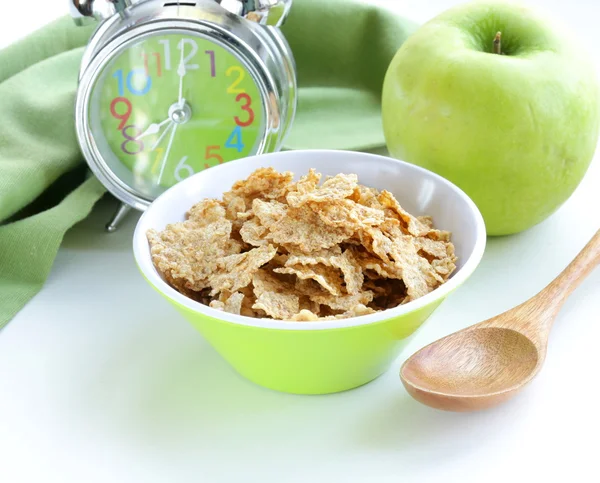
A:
(171, 105)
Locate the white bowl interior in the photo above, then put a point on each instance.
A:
(419, 191)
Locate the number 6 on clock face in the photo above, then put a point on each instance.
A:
(222, 117)
(181, 168)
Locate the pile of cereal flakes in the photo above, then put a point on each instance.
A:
(302, 251)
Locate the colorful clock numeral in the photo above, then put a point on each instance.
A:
(130, 82)
(210, 155)
(159, 155)
(119, 76)
(156, 55)
(241, 73)
(122, 117)
(235, 140)
(213, 66)
(132, 140)
(245, 107)
(147, 82)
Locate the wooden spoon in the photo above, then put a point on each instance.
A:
(488, 363)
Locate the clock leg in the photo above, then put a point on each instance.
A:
(118, 217)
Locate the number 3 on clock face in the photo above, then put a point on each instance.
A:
(221, 119)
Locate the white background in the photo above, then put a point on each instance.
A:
(101, 381)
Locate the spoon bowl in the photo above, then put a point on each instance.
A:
(472, 368)
(488, 363)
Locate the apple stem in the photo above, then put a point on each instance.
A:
(497, 49)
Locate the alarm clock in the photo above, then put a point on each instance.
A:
(168, 89)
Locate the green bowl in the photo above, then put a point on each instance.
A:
(329, 356)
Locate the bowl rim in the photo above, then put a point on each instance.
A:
(145, 265)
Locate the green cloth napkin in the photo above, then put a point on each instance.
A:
(342, 51)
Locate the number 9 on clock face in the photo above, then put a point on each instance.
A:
(171, 105)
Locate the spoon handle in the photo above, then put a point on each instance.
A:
(569, 279)
(534, 317)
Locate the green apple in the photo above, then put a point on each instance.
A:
(516, 130)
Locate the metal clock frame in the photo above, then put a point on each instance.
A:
(262, 50)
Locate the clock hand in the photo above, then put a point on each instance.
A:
(158, 141)
(181, 72)
(164, 161)
(153, 129)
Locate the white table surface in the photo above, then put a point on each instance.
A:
(101, 381)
